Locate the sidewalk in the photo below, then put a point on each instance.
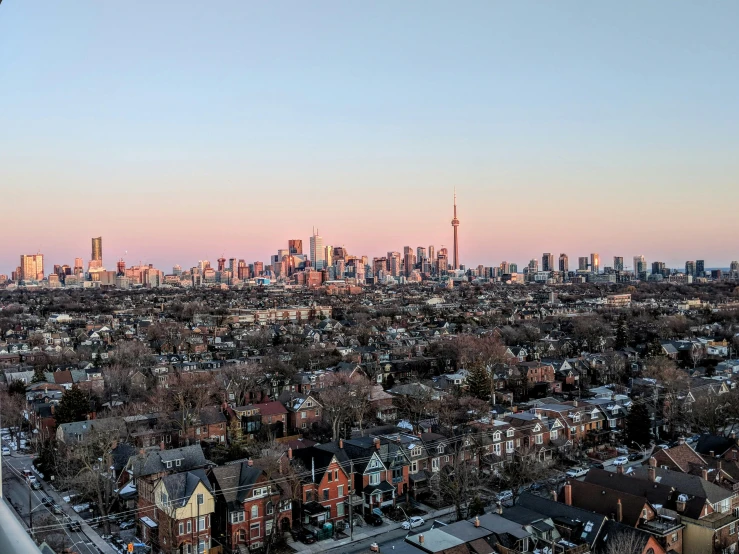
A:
(363, 533)
(89, 532)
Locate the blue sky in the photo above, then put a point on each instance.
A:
(181, 130)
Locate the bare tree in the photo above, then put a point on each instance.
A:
(697, 354)
(361, 406)
(336, 398)
(623, 540)
(456, 483)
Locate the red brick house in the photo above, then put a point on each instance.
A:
(303, 410)
(325, 486)
(250, 506)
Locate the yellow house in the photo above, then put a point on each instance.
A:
(184, 512)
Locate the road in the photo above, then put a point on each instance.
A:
(20, 495)
(393, 540)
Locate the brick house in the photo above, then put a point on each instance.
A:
(325, 486)
(249, 506)
(303, 410)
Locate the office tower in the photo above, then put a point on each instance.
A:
(582, 263)
(717, 274)
(690, 268)
(295, 246)
(513, 267)
(97, 251)
(176, 270)
(329, 258)
(409, 259)
(221, 263)
(121, 267)
(533, 266)
(700, 267)
(640, 265)
(431, 253)
(394, 263)
(564, 263)
(618, 263)
(420, 254)
(442, 261)
(455, 224)
(258, 269)
(32, 267)
(317, 253)
(594, 262)
(547, 262)
(658, 267)
(505, 267)
(232, 265)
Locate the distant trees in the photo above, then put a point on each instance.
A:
(345, 398)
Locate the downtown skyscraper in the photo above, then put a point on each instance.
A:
(317, 252)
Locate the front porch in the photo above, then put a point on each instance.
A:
(379, 496)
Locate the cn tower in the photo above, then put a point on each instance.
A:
(455, 224)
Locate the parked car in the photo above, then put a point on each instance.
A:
(577, 472)
(662, 446)
(635, 457)
(597, 465)
(414, 521)
(621, 460)
(622, 450)
(305, 536)
(46, 501)
(56, 508)
(373, 519)
(6, 451)
(126, 525)
(504, 496)
(74, 526)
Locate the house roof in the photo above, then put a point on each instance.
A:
(586, 523)
(604, 500)
(180, 486)
(153, 461)
(692, 485)
(236, 481)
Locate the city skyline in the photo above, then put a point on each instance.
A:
(221, 139)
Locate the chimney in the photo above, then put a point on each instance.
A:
(652, 472)
(567, 491)
(477, 521)
(681, 440)
(161, 446)
(289, 453)
(420, 539)
(704, 474)
(620, 469)
(619, 511)
(500, 508)
(652, 462)
(377, 443)
(680, 504)
(554, 495)
(712, 454)
(341, 443)
(251, 462)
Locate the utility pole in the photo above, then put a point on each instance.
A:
(30, 508)
(351, 507)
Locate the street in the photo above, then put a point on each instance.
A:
(21, 496)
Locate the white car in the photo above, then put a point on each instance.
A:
(415, 521)
(6, 451)
(504, 496)
(621, 460)
(577, 472)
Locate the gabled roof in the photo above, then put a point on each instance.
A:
(692, 485)
(153, 461)
(236, 481)
(180, 486)
(586, 523)
(604, 500)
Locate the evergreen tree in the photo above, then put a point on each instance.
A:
(74, 406)
(478, 382)
(637, 428)
(38, 375)
(622, 334)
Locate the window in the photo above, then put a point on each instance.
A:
(181, 529)
(336, 475)
(374, 479)
(201, 499)
(168, 464)
(440, 449)
(201, 524)
(553, 435)
(270, 508)
(254, 511)
(309, 496)
(325, 494)
(510, 433)
(178, 463)
(303, 425)
(496, 449)
(435, 464)
(303, 415)
(509, 446)
(340, 491)
(340, 509)
(165, 498)
(330, 476)
(254, 531)
(237, 517)
(414, 467)
(189, 526)
(446, 459)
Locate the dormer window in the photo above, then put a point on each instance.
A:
(178, 463)
(169, 465)
(510, 433)
(440, 449)
(496, 436)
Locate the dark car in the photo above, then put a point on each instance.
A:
(75, 526)
(305, 536)
(127, 525)
(597, 465)
(373, 519)
(46, 501)
(56, 508)
(635, 456)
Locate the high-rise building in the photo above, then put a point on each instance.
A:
(121, 267)
(582, 263)
(97, 251)
(594, 262)
(221, 263)
(295, 246)
(734, 266)
(431, 253)
(700, 267)
(640, 266)
(32, 267)
(409, 260)
(329, 256)
(690, 268)
(658, 267)
(618, 263)
(442, 261)
(317, 253)
(533, 266)
(420, 254)
(564, 263)
(513, 267)
(455, 224)
(547, 262)
(505, 267)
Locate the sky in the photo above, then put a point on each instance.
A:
(181, 130)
